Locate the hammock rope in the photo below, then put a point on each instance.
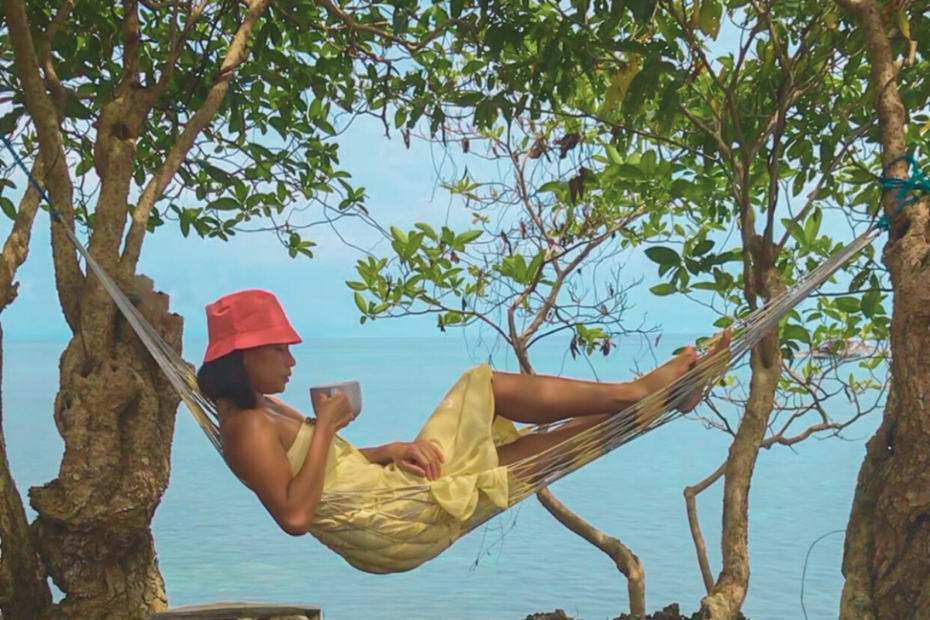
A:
(531, 474)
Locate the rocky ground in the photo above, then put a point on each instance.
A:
(672, 612)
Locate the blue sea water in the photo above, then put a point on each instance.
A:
(215, 541)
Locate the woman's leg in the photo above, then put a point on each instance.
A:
(529, 445)
(542, 399)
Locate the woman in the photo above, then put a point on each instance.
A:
(462, 452)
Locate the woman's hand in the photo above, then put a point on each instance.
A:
(333, 412)
(422, 458)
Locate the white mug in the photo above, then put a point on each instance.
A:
(351, 389)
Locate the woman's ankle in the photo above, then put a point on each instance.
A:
(628, 393)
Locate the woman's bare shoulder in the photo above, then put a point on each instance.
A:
(253, 450)
(245, 427)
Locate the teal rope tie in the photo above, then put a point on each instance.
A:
(902, 187)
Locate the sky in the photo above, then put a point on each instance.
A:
(402, 186)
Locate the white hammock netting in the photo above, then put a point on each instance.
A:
(531, 474)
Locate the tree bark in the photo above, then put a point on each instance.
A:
(68, 276)
(117, 418)
(729, 592)
(885, 560)
(115, 409)
(24, 593)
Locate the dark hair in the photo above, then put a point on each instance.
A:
(226, 377)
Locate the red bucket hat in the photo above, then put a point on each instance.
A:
(246, 319)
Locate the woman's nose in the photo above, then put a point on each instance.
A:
(290, 361)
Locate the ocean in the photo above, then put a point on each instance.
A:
(216, 542)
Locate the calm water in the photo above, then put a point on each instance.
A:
(215, 542)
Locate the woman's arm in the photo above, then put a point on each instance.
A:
(381, 455)
(255, 454)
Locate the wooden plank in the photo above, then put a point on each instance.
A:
(237, 611)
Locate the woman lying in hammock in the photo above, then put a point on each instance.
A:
(460, 455)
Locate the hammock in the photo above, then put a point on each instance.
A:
(527, 476)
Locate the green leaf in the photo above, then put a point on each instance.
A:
(360, 302)
(709, 17)
(847, 304)
(8, 208)
(400, 235)
(532, 271)
(466, 237)
(702, 247)
(663, 289)
(723, 322)
(426, 228)
(643, 86)
(629, 171)
(648, 163)
(796, 332)
(642, 9)
(357, 286)
(859, 280)
(871, 303)
(8, 121)
(812, 226)
(613, 154)
(413, 244)
(224, 204)
(663, 256)
(551, 186)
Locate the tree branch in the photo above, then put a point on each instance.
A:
(177, 45)
(890, 108)
(700, 547)
(592, 245)
(132, 34)
(235, 56)
(59, 92)
(627, 562)
(16, 247)
(826, 173)
(69, 277)
(334, 10)
(727, 596)
(727, 93)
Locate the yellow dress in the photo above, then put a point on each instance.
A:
(415, 519)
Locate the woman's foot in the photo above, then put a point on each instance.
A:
(667, 373)
(697, 394)
(672, 370)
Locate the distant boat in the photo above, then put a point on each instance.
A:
(850, 347)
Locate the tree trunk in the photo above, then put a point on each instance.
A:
(729, 592)
(886, 561)
(117, 421)
(24, 592)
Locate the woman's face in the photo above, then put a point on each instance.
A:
(268, 367)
